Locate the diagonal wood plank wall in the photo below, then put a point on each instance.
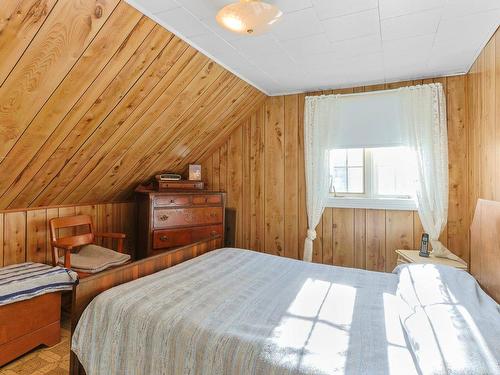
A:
(24, 233)
(261, 167)
(95, 98)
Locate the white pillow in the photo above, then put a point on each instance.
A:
(452, 325)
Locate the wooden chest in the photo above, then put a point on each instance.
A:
(172, 219)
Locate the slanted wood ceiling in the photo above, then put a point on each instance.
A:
(95, 98)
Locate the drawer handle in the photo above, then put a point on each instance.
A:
(213, 214)
(213, 233)
(206, 200)
(163, 238)
(164, 217)
(172, 200)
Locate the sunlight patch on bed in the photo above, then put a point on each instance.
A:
(314, 332)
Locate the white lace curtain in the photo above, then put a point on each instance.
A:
(419, 111)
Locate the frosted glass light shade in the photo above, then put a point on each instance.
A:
(248, 17)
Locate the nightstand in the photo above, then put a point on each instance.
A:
(411, 256)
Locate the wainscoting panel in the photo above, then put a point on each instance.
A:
(26, 234)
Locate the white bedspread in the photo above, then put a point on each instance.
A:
(452, 325)
(240, 312)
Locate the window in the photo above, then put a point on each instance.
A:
(385, 174)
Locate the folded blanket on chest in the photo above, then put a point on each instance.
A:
(27, 280)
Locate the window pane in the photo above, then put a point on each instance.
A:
(355, 180)
(355, 157)
(394, 171)
(340, 180)
(339, 157)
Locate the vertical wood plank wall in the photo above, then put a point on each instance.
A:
(261, 167)
(483, 91)
(25, 233)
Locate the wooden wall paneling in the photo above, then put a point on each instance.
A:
(1, 239)
(488, 121)
(375, 240)
(79, 89)
(36, 236)
(181, 60)
(291, 181)
(201, 115)
(246, 185)
(141, 148)
(140, 72)
(89, 123)
(371, 236)
(186, 135)
(241, 106)
(360, 238)
(317, 255)
(234, 181)
(42, 67)
(207, 174)
(25, 233)
(223, 167)
(458, 225)
(85, 84)
(160, 135)
(496, 94)
(343, 237)
(50, 213)
(20, 21)
(274, 175)
(257, 181)
(327, 237)
(215, 171)
(399, 235)
(14, 237)
(302, 214)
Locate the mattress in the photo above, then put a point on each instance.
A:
(235, 311)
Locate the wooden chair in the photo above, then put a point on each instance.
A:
(89, 257)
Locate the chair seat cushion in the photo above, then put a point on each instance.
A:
(93, 258)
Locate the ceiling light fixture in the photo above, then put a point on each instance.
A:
(248, 17)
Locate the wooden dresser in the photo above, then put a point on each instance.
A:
(172, 219)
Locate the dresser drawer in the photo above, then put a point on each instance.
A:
(207, 199)
(164, 218)
(171, 200)
(179, 237)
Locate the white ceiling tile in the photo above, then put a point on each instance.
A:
(459, 8)
(203, 9)
(156, 6)
(309, 45)
(182, 22)
(395, 8)
(297, 24)
(411, 25)
(467, 29)
(338, 43)
(258, 45)
(352, 26)
(329, 9)
(292, 5)
(414, 45)
(358, 46)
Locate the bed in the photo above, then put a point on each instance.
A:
(233, 311)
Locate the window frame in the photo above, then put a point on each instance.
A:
(369, 199)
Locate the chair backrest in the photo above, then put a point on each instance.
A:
(71, 222)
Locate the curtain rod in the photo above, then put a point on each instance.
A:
(374, 92)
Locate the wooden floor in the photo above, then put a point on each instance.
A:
(43, 360)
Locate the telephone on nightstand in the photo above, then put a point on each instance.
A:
(424, 245)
